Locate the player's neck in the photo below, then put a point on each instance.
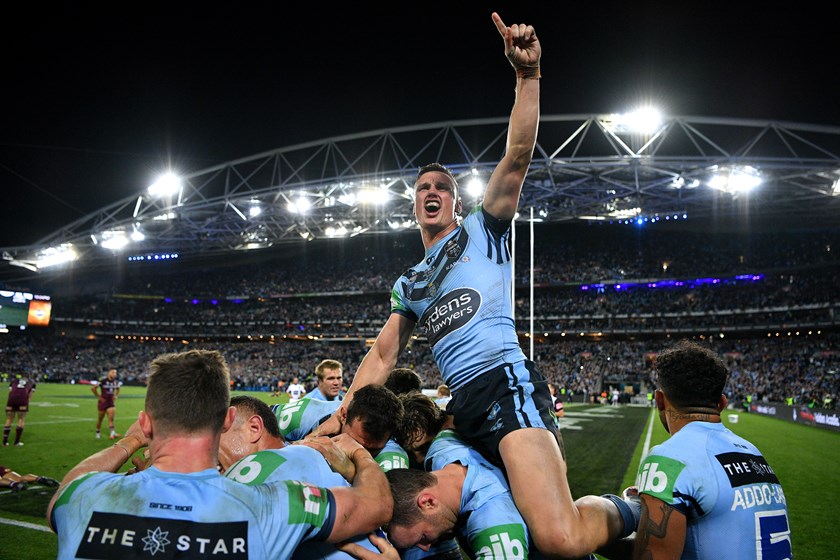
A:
(433, 234)
(185, 454)
(680, 417)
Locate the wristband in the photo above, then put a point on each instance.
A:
(528, 72)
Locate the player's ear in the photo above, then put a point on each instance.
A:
(230, 416)
(722, 403)
(255, 427)
(459, 206)
(427, 501)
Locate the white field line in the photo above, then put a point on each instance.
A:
(646, 447)
(25, 525)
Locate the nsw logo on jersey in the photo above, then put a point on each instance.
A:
(451, 312)
(307, 504)
(114, 535)
(502, 542)
(657, 477)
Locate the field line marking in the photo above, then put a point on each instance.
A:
(25, 525)
(646, 446)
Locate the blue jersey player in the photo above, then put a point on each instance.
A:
(460, 297)
(706, 492)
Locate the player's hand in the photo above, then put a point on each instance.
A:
(334, 453)
(140, 462)
(386, 549)
(136, 432)
(522, 47)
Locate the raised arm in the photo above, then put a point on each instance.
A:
(523, 50)
(376, 366)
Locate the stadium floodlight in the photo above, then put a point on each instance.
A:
(736, 179)
(645, 120)
(835, 188)
(300, 205)
(136, 235)
(54, 256)
(475, 187)
(167, 184)
(114, 240)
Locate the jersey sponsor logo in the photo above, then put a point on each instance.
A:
(307, 504)
(289, 415)
(255, 469)
(390, 460)
(743, 469)
(657, 476)
(450, 313)
(115, 535)
(502, 542)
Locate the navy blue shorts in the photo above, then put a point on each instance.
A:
(500, 401)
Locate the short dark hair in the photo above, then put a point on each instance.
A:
(188, 392)
(405, 485)
(403, 380)
(440, 168)
(691, 375)
(377, 408)
(251, 405)
(421, 416)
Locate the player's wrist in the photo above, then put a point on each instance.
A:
(528, 72)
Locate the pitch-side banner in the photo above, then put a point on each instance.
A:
(801, 414)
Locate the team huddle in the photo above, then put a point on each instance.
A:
(385, 471)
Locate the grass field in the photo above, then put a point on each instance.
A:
(603, 446)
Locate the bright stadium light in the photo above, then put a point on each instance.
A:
(646, 120)
(734, 180)
(114, 240)
(475, 187)
(53, 256)
(167, 184)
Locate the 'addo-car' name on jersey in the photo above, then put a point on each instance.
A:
(453, 311)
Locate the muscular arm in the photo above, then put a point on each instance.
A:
(523, 50)
(364, 506)
(109, 459)
(376, 366)
(661, 533)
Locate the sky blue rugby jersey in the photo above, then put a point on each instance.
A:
(296, 462)
(460, 297)
(488, 521)
(158, 514)
(733, 501)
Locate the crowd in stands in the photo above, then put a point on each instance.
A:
(605, 300)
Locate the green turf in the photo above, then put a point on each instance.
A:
(603, 447)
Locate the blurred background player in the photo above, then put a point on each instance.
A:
(107, 390)
(295, 390)
(444, 395)
(329, 374)
(20, 391)
(17, 482)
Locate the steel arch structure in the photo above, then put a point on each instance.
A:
(584, 166)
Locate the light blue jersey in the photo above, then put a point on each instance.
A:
(460, 297)
(296, 419)
(733, 502)
(296, 462)
(158, 514)
(319, 396)
(488, 521)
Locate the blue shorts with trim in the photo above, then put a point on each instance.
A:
(499, 401)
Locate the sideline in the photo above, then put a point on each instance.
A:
(25, 525)
(646, 446)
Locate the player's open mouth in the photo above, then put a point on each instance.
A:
(432, 206)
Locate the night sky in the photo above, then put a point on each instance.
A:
(99, 100)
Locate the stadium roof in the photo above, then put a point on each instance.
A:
(592, 167)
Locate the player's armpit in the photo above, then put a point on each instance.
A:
(661, 532)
